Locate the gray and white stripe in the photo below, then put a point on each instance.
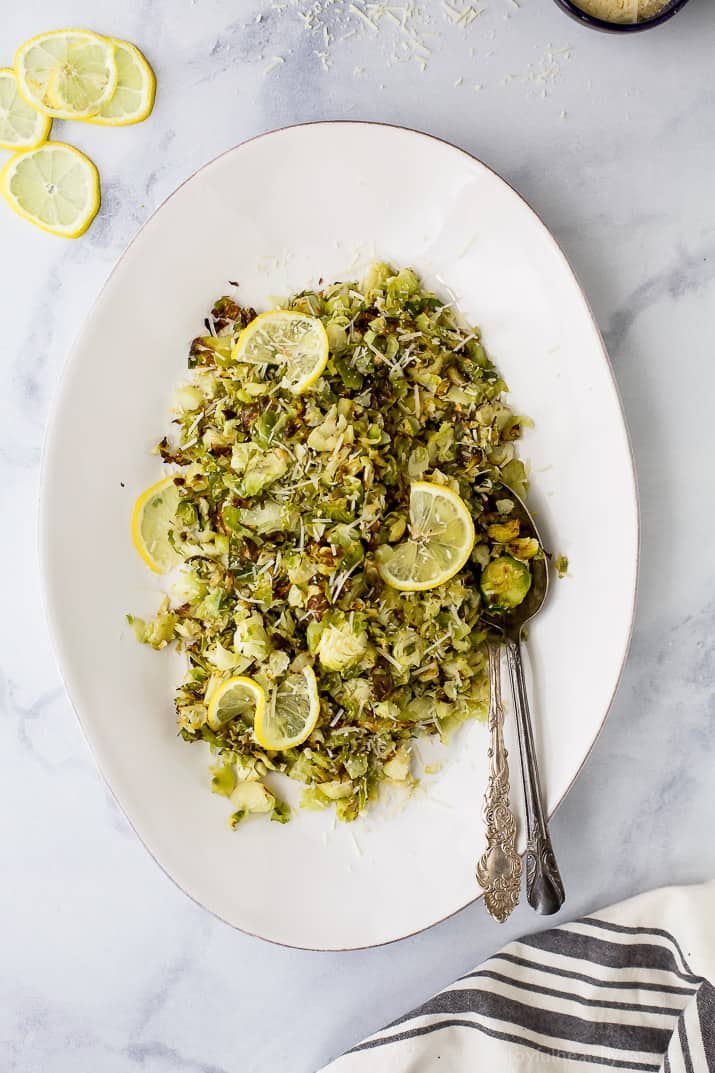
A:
(592, 992)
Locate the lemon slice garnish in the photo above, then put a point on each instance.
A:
(296, 342)
(153, 517)
(54, 186)
(441, 538)
(235, 697)
(133, 99)
(21, 126)
(69, 74)
(291, 714)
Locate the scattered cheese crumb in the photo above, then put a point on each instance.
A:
(410, 31)
(405, 26)
(275, 62)
(364, 16)
(324, 57)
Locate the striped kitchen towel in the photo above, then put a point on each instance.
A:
(627, 988)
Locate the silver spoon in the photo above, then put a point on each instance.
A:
(544, 888)
(499, 867)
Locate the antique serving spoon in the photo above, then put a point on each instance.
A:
(544, 888)
(499, 867)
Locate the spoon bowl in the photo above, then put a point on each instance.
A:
(511, 623)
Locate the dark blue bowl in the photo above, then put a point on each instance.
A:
(576, 13)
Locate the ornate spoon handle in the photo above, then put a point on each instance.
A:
(544, 888)
(499, 867)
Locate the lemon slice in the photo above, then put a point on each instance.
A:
(441, 538)
(54, 186)
(297, 342)
(69, 74)
(292, 713)
(133, 99)
(21, 127)
(237, 696)
(154, 515)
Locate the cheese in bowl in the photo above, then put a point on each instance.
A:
(623, 11)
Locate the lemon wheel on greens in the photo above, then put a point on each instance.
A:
(440, 541)
(153, 518)
(291, 714)
(294, 341)
(235, 697)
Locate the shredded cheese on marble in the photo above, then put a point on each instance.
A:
(412, 31)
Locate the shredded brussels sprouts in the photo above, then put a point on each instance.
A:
(285, 500)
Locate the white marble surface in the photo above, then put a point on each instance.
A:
(104, 964)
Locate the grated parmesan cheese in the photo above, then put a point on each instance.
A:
(413, 31)
(622, 10)
(406, 29)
